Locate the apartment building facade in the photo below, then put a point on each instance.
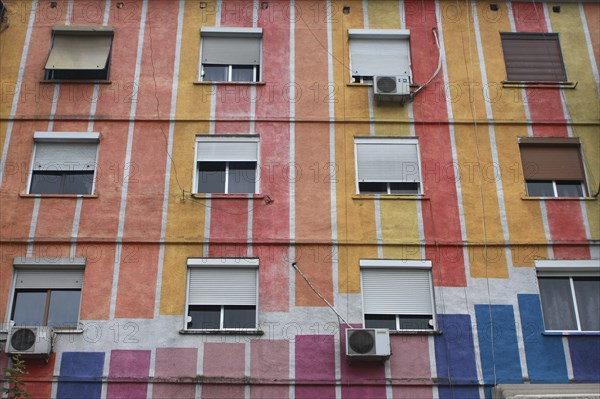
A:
(200, 197)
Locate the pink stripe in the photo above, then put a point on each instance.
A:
(269, 365)
(315, 367)
(175, 363)
(128, 365)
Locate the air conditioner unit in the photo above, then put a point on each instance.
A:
(391, 88)
(368, 344)
(28, 341)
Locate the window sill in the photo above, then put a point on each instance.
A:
(415, 332)
(68, 331)
(510, 84)
(571, 333)
(526, 198)
(210, 83)
(58, 195)
(389, 197)
(222, 332)
(85, 82)
(230, 196)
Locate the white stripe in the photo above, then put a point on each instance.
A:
(106, 13)
(492, 136)
(586, 220)
(337, 356)
(55, 374)
(165, 207)
(33, 225)
(151, 372)
(218, 13)
(75, 228)
(420, 225)
(521, 343)
(247, 365)
(365, 7)
(389, 392)
(199, 365)
(55, 97)
(69, 12)
(255, 13)
(249, 227)
(590, 48)
(125, 186)
(105, 370)
(378, 232)
(15, 102)
(570, 374)
(292, 186)
(546, 228)
(432, 360)
(207, 209)
(402, 15)
(292, 377)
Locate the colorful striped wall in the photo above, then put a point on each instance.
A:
(474, 221)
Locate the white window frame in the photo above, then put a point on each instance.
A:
(375, 34)
(44, 264)
(555, 189)
(567, 269)
(227, 139)
(232, 33)
(65, 137)
(389, 141)
(226, 264)
(399, 265)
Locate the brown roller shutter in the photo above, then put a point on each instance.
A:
(533, 57)
(549, 159)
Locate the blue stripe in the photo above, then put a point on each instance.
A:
(80, 375)
(545, 354)
(455, 358)
(585, 356)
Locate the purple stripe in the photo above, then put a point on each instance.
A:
(315, 365)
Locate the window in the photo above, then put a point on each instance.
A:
(533, 57)
(64, 163)
(226, 164)
(570, 294)
(387, 166)
(552, 166)
(397, 294)
(231, 54)
(47, 293)
(79, 53)
(379, 52)
(222, 294)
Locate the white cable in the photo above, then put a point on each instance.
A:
(439, 66)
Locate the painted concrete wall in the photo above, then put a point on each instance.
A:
(473, 221)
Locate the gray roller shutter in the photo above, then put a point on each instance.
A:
(49, 278)
(387, 162)
(397, 291)
(371, 57)
(65, 156)
(231, 50)
(215, 150)
(222, 286)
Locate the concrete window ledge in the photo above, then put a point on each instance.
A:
(222, 332)
(546, 391)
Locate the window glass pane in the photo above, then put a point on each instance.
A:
(64, 308)
(557, 304)
(372, 188)
(587, 291)
(540, 188)
(216, 73)
(239, 317)
(204, 317)
(242, 177)
(78, 183)
(380, 321)
(569, 189)
(404, 188)
(46, 183)
(242, 73)
(211, 177)
(415, 323)
(29, 308)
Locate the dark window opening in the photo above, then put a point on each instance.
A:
(62, 182)
(55, 308)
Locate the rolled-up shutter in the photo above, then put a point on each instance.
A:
(215, 150)
(533, 57)
(548, 159)
(222, 286)
(371, 57)
(49, 278)
(65, 156)
(397, 291)
(387, 162)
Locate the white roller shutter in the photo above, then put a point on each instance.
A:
(65, 156)
(227, 151)
(387, 162)
(222, 286)
(372, 57)
(49, 278)
(231, 50)
(397, 291)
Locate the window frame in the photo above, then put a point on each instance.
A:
(203, 138)
(80, 31)
(375, 34)
(392, 141)
(400, 265)
(45, 264)
(64, 137)
(230, 32)
(566, 269)
(225, 264)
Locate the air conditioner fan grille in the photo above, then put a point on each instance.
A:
(361, 341)
(23, 339)
(386, 84)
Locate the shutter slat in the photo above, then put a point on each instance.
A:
(49, 279)
(372, 57)
(65, 156)
(231, 50)
(227, 151)
(391, 162)
(222, 286)
(399, 291)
